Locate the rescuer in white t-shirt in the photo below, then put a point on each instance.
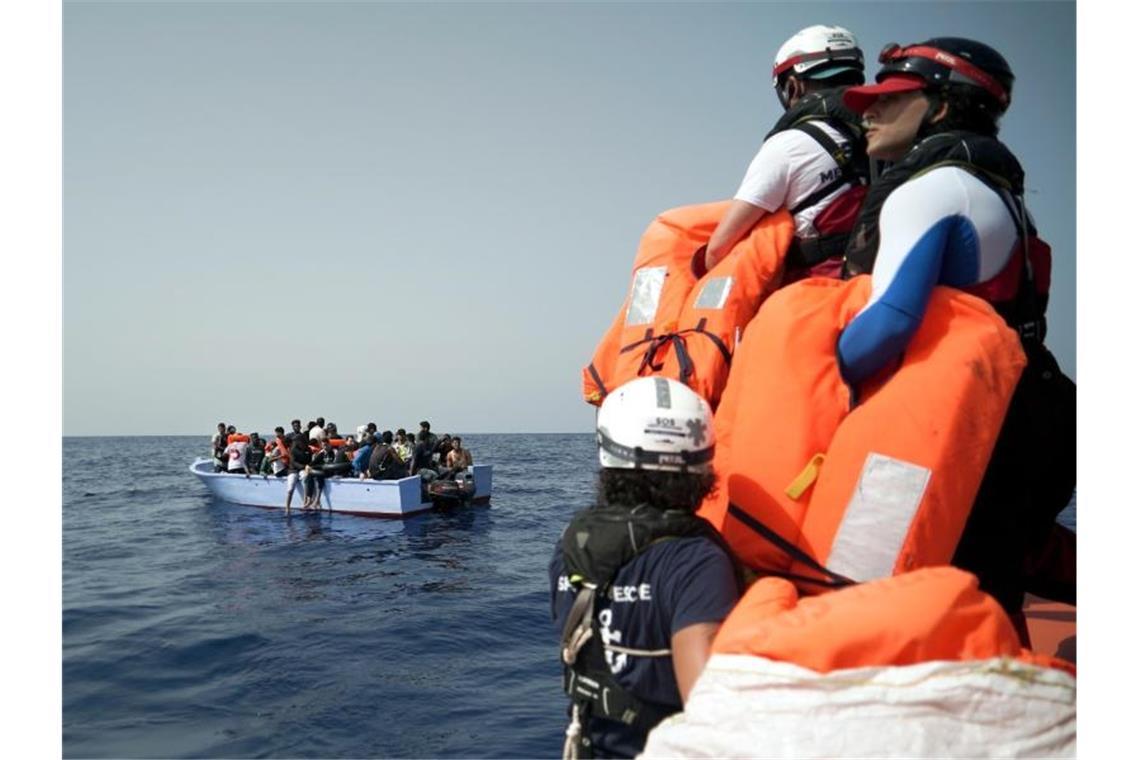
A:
(813, 162)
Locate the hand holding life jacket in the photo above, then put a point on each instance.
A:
(677, 325)
(827, 493)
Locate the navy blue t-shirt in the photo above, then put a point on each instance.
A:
(670, 586)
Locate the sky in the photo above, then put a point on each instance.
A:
(391, 212)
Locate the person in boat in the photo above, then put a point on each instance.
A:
(363, 456)
(432, 438)
(332, 460)
(277, 454)
(383, 462)
(639, 583)
(403, 446)
(317, 430)
(300, 469)
(422, 459)
(254, 454)
(442, 447)
(458, 459)
(234, 454)
(950, 210)
(812, 162)
(325, 464)
(218, 446)
(296, 431)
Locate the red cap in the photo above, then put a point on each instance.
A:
(859, 99)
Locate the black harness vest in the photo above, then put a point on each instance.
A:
(595, 545)
(992, 163)
(826, 106)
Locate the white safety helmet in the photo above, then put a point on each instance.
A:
(654, 423)
(817, 52)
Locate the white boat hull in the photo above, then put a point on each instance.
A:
(368, 498)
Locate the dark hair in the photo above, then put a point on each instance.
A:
(457, 439)
(401, 431)
(222, 425)
(658, 488)
(968, 109)
(425, 425)
(321, 421)
(296, 422)
(371, 426)
(386, 436)
(279, 430)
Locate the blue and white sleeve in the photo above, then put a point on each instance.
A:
(924, 231)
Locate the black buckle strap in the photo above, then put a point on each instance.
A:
(808, 252)
(597, 380)
(678, 341)
(1032, 331)
(834, 579)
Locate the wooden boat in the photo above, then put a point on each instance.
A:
(351, 496)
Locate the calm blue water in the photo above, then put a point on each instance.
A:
(197, 628)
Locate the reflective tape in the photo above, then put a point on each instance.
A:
(714, 294)
(644, 295)
(878, 518)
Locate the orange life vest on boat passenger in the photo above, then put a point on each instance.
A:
(237, 438)
(825, 494)
(284, 449)
(676, 325)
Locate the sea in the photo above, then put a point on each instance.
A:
(198, 628)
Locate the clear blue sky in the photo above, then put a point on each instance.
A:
(389, 212)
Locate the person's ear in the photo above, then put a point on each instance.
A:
(793, 90)
(940, 112)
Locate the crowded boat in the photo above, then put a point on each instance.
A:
(306, 456)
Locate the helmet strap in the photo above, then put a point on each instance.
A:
(935, 103)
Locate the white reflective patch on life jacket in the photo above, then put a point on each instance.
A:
(714, 294)
(644, 295)
(877, 518)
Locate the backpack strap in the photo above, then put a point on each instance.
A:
(844, 159)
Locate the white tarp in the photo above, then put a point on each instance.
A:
(744, 706)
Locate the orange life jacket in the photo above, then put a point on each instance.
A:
(677, 325)
(825, 494)
(237, 438)
(933, 614)
(286, 457)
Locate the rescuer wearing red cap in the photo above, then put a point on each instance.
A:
(950, 211)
